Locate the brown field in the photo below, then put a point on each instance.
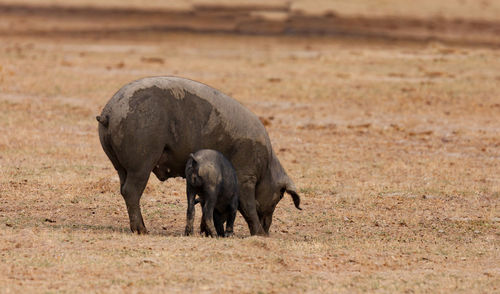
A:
(393, 143)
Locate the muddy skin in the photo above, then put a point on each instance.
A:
(164, 119)
(212, 177)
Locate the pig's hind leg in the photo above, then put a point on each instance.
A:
(132, 190)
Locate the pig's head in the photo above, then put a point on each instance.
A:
(192, 172)
(270, 191)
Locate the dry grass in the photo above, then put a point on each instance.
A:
(395, 148)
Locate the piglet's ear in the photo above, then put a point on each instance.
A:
(191, 155)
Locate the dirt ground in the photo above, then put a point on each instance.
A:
(393, 144)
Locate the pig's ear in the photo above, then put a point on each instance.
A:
(290, 189)
(191, 155)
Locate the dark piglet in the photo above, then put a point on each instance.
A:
(212, 177)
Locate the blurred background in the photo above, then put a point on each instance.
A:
(452, 20)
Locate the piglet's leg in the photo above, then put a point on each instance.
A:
(231, 216)
(190, 211)
(208, 212)
(219, 223)
(203, 227)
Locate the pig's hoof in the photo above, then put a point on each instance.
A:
(210, 234)
(140, 230)
(205, 233)
(188, 231)
(228, 234)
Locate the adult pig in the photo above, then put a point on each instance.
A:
(169, 118)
